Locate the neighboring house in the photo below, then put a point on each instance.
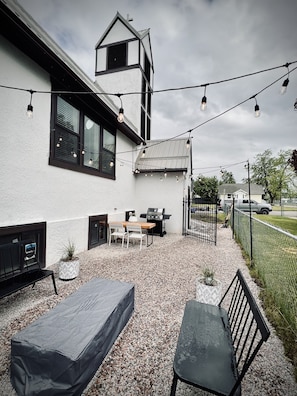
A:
(70, 169)
(239, 191)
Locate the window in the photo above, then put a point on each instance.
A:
(79, 142)
(108, 152)
(117, 56)
(145, 120)
(147, 68)
(91, 143)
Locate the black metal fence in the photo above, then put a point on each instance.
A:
(200, 219)
(273, 252)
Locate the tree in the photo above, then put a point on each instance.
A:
(227, 178)
(206, 187)
(273, 173)
(293, 160)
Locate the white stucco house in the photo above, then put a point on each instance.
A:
(239, 192)
(71, 168)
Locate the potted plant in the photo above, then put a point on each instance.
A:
(69, 263)
(208, 288)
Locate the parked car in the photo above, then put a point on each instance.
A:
(259, 208)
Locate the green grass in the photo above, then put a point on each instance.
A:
(285, 223)
(284, 208)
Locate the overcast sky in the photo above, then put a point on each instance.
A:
(196, 42)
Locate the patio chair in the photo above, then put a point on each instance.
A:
(116, 231)
(135, 233)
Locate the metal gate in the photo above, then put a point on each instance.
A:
(200, 219)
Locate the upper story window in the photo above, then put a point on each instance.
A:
(79, 142)
(117, 56)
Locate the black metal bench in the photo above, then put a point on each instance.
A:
(216, 345)
(14, 275)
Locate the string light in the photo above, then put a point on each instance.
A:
(59, 141)
(286, 82)
(203, 100)
(30, 107)
(257, 109)
(121, 110)
(188, 143)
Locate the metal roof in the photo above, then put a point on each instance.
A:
(160, 155)
(233, 188)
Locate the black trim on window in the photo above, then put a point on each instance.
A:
(116, 56)
(67, 142)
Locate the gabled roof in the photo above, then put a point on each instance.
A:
(142, 35)
(18, 27)
(235, 188)
(170, 155)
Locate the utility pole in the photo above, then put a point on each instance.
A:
(250, 210)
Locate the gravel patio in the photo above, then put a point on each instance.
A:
(140, 362)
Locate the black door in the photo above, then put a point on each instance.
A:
(97, 230)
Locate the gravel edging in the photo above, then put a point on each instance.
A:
(140, 362)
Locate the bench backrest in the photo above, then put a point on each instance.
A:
(247, 325)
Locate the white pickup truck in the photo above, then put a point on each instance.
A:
(259, 208)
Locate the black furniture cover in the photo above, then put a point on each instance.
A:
(60, 352)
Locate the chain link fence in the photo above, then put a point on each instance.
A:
(273, 253)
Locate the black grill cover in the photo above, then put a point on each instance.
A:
(60, 352)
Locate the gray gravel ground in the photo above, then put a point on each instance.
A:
(140, 362)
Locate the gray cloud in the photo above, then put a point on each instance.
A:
(196, 42)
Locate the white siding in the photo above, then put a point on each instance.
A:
(101, 63)
(125, 81)
(31, 190)
(168, 194)
(133, 52)
(118, 32)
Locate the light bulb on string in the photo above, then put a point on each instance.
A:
(257, 109)
(286, 82)
(188, 144)
(203, 100)
(284, 86)
(121, 110)
(30, 107)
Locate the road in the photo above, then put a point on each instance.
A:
(286, 213)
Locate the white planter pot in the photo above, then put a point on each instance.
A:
(208, 294)
(68, 270)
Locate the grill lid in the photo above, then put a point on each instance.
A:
(155, 213)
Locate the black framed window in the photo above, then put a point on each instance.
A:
(91, 155)
(79, 142)
(117, 56)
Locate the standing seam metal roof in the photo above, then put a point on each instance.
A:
(160, 155)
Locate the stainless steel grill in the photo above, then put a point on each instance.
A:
(158, 216)
(155, 214)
